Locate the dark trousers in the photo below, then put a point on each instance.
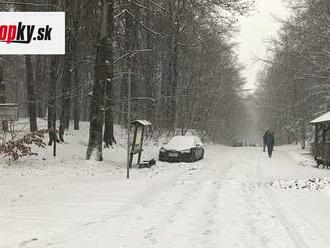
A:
(270, 150)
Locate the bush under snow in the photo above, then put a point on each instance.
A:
(299, 184)
(308, 162)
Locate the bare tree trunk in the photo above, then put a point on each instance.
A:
(149, 69)
(66, 79)
(109, 138)
(32, 107)
(87, 98)
(66, 88)
(38, 82)
(52, 100)
(94, 150)
(76, 110)
(173, 77)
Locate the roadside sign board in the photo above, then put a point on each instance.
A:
(8, 112)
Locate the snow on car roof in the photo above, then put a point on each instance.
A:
(322, 118)
(180, 143)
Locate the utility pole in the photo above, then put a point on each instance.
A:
(54, 126)
(128, 120)
(3, 94)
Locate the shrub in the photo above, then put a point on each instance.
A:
(18, 148)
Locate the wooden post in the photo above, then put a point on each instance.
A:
(325, 152)
(133, 145)
(323, 133)
(131, 160)
(54, 142)
(136, 147)
(142, 134)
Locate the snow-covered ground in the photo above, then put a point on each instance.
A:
(225, 200)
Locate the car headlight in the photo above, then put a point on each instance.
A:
(162, 150)
(186, 151)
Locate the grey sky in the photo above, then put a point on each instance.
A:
(254, 31)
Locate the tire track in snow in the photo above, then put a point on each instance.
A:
(247, 177)
(191, 205)
(289, 225)
(139, 202)
(308, 224)
(150, 200)
(321, 232)
(73, 224)
(293, 234)
(254, 218)
(194, 202)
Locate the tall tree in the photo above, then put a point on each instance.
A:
(32, 106)
(94, 150)
(53, 77)
(108, 137)
(67, 69)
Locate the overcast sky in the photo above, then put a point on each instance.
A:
(254, 31)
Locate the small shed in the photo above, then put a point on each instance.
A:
(321, 144)
(137, 143)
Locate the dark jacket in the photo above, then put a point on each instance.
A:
(270, 140)
(265, 138)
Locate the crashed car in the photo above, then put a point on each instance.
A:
(182, 149)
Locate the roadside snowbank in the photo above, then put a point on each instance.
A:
(308, 162)
(310, 184)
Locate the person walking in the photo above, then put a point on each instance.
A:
(265, 140)
(270, 142)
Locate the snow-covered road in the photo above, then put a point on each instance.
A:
(224, 200)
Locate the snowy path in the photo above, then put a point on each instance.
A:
(223, 201)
